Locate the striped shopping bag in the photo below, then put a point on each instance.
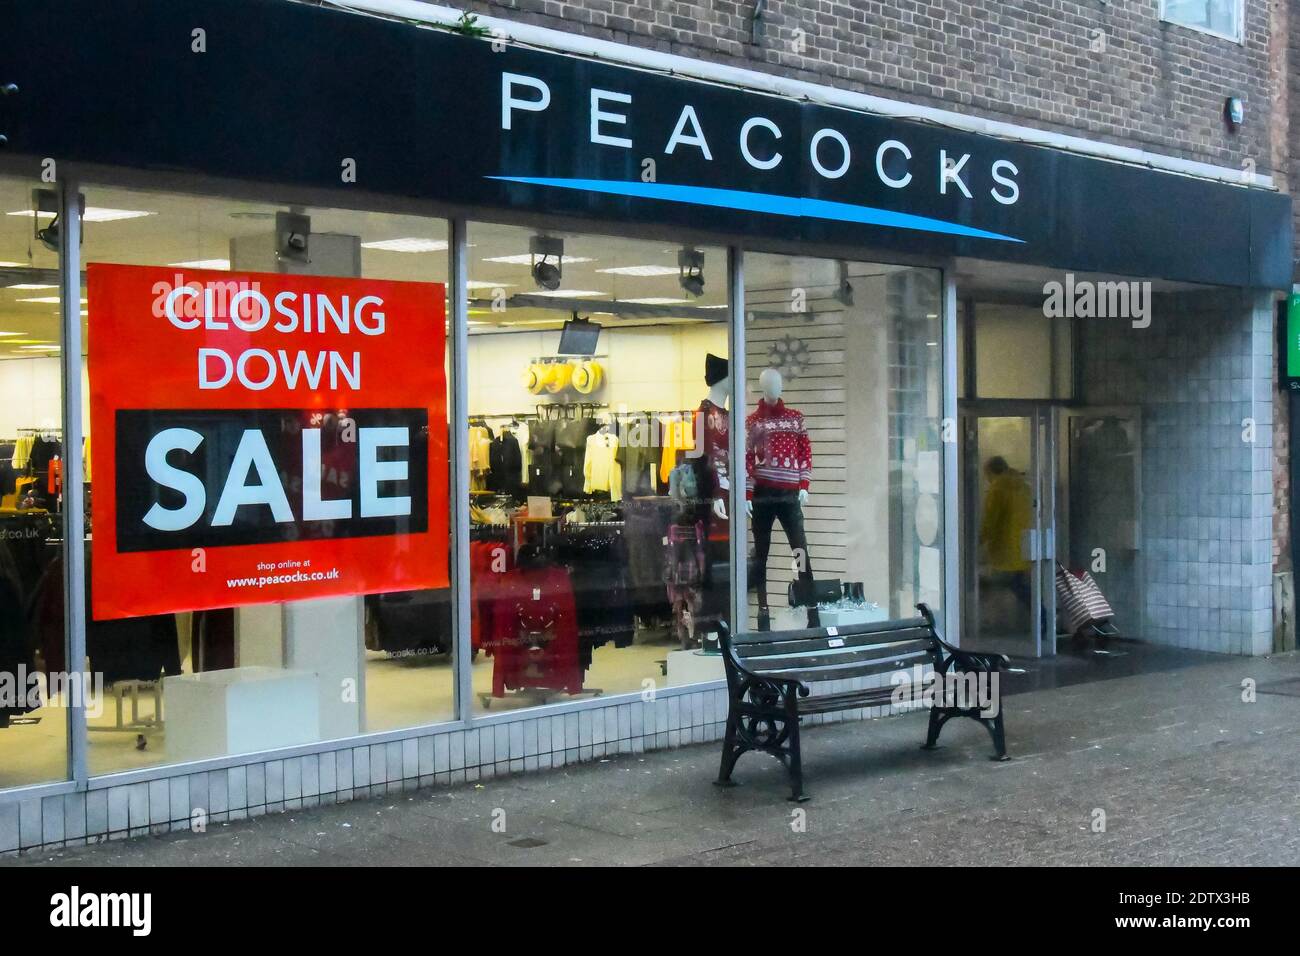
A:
(1079, 600)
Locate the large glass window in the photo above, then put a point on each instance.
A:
(306, 430)
(843, 441)
(599, 380)
(34, 689)
(1214, 16)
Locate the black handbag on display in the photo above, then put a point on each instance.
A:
(803, 593)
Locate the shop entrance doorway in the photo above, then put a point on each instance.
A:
(1008, 455)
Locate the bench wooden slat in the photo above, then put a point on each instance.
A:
(829, 703)
(846, 671)
(750, 652)
(819, 633)
(761, 665)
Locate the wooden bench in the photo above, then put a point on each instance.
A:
(768, 673)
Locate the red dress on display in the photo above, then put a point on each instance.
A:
(534, 633)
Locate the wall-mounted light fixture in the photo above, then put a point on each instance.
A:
(1234, 112)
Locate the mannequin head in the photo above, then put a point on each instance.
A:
(769, 383)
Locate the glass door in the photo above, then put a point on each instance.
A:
(1008, 532)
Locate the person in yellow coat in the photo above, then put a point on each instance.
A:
(1008, 514)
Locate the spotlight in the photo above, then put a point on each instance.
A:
(690, 267)
(546, 273)
(46, 202)
(49, 235)
(292, 237)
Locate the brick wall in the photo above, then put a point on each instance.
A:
(1154, 86)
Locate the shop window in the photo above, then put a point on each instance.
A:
(35, 687)
(299, 448)
(1220, 17)
(843, 441)
(598, 385)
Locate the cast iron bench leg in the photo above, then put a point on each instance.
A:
(796, 766)
(938, 717)
(994, 725)
(730, 754)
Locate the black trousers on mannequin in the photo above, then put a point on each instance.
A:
(770, 506)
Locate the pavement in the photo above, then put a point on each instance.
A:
(1168, 766)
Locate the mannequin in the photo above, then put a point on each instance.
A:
(711, 461)
(778, 469)
(712, 450)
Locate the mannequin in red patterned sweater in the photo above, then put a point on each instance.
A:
(778, 469)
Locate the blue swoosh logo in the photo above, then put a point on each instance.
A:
(768, 203)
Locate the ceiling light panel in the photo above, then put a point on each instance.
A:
(569, 293)
(409, 244)
(526, 259)
(219, 264)
(644, 271)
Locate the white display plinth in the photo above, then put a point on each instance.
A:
(796, 618)
(240, 710)
(692, 667)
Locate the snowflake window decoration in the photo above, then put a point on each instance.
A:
(789, 356)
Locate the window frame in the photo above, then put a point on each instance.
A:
(1239, 23)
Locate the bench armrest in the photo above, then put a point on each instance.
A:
(973, 660)
(965, 660)
(780, 685)
(747, 680)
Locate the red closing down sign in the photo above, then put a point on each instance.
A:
(260, 437)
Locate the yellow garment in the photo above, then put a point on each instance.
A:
(600, 468)
(678, 435)
(23, 452)
(85, 456)
(479, 447)
(1008, 513)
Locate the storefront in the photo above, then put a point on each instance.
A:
(277, 319)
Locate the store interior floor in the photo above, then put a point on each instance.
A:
(400, 692)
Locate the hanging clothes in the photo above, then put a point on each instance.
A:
(597, 562)
(535, 631)
(480, 445)
(571, 446)
(23, 452)
(136, 648)
(684, 576)
(638, 454)
(543, 459)
(601, 470)
(504, 468)
(15, 639)
(7, 473)
(678, 438)
(43, 451)
(521, 436)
